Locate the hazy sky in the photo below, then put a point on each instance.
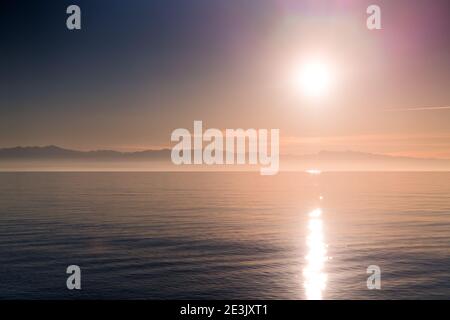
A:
(139, 69)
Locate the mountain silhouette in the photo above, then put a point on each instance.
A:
(54, 152)
(22, 158)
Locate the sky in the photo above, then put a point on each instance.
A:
(137, 70)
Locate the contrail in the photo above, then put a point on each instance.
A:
(420, 108)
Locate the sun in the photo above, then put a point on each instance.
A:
(313, 78)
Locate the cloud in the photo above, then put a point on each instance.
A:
(420, 108)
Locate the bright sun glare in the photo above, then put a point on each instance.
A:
(313, 78)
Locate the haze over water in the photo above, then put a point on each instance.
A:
(225, 235)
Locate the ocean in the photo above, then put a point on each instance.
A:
(225, 235)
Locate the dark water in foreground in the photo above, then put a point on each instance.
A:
(225, 235)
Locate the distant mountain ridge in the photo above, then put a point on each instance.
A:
(22, 158)
(54, 152)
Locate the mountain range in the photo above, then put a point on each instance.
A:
(57, 158)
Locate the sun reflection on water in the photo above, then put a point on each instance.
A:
(315, 277)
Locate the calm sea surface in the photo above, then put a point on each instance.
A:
(225, 235)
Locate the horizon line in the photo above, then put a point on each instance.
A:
(169, 149)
